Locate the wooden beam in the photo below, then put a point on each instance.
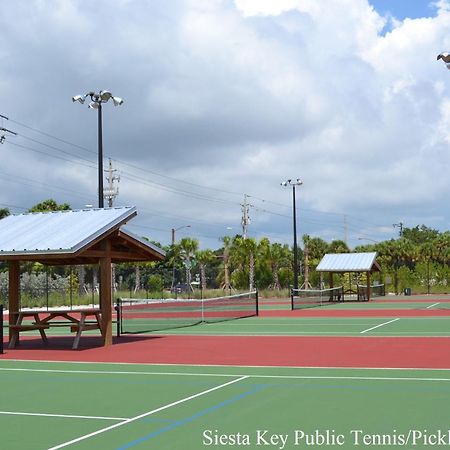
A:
(114, 254)
(14, 298)
(106, 293)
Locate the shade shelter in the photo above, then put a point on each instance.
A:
(89, 236)
(350, 263)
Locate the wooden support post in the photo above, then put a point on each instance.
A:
(368, 286)
(106, 294)
(331, 280)
(14, 298)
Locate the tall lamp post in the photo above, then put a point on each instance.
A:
(294, 183)
(174, 230)
(97, 99)
(368, 239)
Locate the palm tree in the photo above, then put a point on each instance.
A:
(314, 251)
(226, 284)
(338, 246)
(243, 256)
(427, 252)
(4, 212)
(275, 256)
(397, 253)
(188, 247)
(204, 257)
(306, 240)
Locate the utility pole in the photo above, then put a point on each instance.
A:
(245, 216)
(400, 226)
(111, 192)
(5, 130)
(345, 229)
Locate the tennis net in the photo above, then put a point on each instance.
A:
(376, 290)
(311, 298)
(147, 315)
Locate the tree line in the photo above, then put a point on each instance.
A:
(418, 259)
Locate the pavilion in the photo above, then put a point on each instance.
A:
(73, 237)
(350, 263)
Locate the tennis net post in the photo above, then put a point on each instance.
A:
(292, 297)
(257, 302)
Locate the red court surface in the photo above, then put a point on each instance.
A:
(298, 351)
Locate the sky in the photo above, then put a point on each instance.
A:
(224, 100)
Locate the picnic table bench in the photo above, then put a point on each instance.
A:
(78, 320)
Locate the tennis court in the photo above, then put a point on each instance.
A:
(103, 406)
(339, 376)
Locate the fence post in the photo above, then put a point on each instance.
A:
(1, 330)
(118, 318)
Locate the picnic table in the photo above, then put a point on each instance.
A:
(78, 320)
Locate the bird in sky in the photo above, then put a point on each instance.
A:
(445, 56)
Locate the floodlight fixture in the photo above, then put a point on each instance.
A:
(96, 103)
(105, 95)
(117, 101)
(79, 98)
(297, 182)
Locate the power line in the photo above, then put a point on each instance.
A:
(161, 186)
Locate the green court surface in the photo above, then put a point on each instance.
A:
(388, 305)
(325, 326)
(303, 326)
(120, 406)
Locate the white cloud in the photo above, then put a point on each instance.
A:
(236, 96)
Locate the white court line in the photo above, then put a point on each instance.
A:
(64, 416)
(140, 416)
(434, 304)
(255, 375)
(378, 326)
(116, 372)
(227, 366)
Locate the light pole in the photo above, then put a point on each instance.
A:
(174, 230)
(97, 99)
(293, 183)
(368, 239)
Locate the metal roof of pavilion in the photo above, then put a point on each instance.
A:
(62, 232)
(349, 262)
(142, 241)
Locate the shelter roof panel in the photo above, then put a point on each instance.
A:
(348, 262)
(59, 231)
(143, 242)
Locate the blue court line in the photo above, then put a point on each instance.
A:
(192, 418)
(152, 420)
